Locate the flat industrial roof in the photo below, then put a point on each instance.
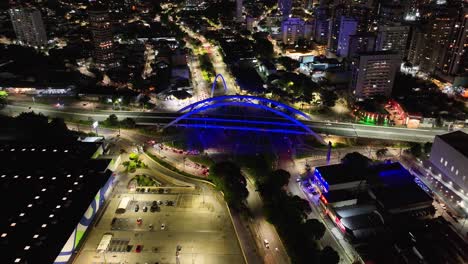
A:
(457, 140)
(401, 196)
(340, 173)
(44, 192)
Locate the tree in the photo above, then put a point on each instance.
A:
(288, 63)
(228, 178)
(415, 149)
(3, 97)
(314, 227)
(356, 161)
(427, 147)
(329, 256)
(299, 207)
(263, 48)
(112, 120)
(128, 123)
(381, 152)
(279, 178)
(328, 98)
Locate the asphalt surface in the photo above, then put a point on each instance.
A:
(162, 118)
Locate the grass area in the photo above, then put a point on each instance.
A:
(172, 168)
(145, 180)
(202, 159)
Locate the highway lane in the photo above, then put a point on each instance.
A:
(162, 118)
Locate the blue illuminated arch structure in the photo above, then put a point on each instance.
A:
(288, 113)
(214, 83)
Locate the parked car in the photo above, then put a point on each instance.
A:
(163, 226)
(138, 248)
(145, 209)
(137, 207)
(266, 243)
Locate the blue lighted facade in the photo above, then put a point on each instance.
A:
(322, 182)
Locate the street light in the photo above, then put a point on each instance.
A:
(95, 126)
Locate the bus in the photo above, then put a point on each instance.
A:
(123, 205)
(104, 244)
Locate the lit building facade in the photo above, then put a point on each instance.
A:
(294, 29)
(393, 38)
(285, 7)
(449, 154)
(373, 74)
(455, 61)
(429, 41)
(359, 43)
(103, 41)
(28, 26)
(348, 27)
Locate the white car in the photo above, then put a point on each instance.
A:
(266, 243)
(163, 226)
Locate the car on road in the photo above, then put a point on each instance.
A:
(139, 220)
(138, 248)
(154, 207)
(137, 207)
(145, 209)
(163, 226)
(266, 243)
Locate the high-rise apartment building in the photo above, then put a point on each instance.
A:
(360, 43)
(294, 29)
(239, 10)
(285, 7)
(321, 28)
(393, 37)
(28, 25)
(348, 27)
(390, 13)
(430, 40)
(373, 73)
(455, 60)
(100, 24)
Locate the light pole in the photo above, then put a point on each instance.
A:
(95, 126)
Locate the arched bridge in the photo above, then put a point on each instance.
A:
(284, 119)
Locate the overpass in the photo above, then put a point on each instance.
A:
(163, 118)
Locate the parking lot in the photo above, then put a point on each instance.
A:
(198, 224)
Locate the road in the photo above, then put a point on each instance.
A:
(276, 253)
(162, 118)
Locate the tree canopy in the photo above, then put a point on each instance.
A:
(228, 178)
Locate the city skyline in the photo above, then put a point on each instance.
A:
(234, 131)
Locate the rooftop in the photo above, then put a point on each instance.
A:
(339, 173)
(402, 197)
(457, 140)
(44, 191)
